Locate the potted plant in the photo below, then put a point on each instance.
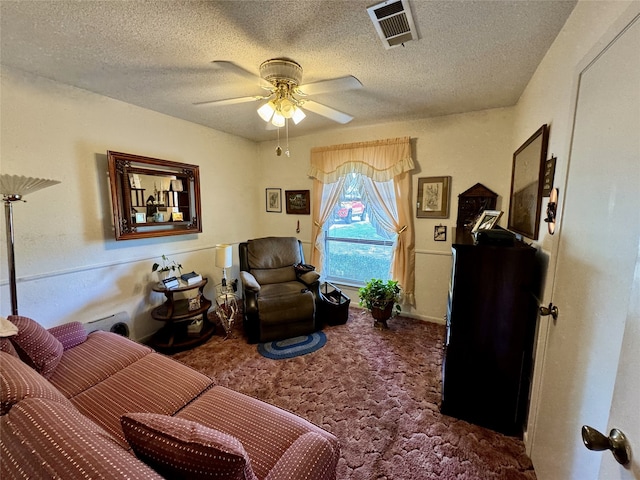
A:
(381, 299)
(168, 266)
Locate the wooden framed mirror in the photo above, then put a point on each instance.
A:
(153, 197)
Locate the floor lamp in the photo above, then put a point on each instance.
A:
(13, 188)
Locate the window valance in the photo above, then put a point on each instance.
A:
(380, 160)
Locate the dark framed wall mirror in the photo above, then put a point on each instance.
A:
(527, 185)
(153, 197)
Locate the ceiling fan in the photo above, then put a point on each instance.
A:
(286, 97)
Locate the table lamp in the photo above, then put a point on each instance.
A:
(223, 260)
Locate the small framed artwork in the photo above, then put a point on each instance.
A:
(274, 200)
(487, 220)
(433, 197)
(141, 217)
(298, 202)
(549, 173)
(194, 303)
(440, 233)
(134, 180)
(526, 184)
(177, 216)
(176, 185)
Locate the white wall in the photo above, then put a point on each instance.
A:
(70, 267)
(471, 148)
(548, 99)
(68, 264)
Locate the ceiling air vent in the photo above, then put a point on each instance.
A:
(393, 22)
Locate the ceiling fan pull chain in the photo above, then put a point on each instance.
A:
(278, 149)
(286, 127)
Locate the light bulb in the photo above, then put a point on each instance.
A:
(286, 108)
(267, 110)
(277, 120)
(298, 115)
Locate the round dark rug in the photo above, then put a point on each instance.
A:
(292, 347)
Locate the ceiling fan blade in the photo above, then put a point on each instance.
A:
(328, 112)
(334, 85)
(238, 70)
(230, 101)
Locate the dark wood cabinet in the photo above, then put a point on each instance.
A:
(472, 202)
(491, 317)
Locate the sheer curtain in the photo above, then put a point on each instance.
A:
(386, 165)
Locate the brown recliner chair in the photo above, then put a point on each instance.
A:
(278, 302)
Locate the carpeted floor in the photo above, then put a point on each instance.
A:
(379, 393)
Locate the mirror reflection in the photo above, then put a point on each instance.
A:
(153, 197)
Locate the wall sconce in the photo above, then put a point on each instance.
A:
(552, 208)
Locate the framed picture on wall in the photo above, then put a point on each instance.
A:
(298, 202)
(433, 197)
(526, 184)
(274, 200)
(440, 233)
(549, 173)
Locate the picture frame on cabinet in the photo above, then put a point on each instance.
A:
(433, 197)
(274, 200)
(141, 217)
(487, 220)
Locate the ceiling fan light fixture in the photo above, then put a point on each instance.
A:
(298, 115)
(277, 120)
(267, 110)
(286, 107)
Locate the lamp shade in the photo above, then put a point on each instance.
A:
(19, 185)
(277, 120)
(266, 111)
(223, 256)
(298, 115)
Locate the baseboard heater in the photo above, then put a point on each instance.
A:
(119, 323)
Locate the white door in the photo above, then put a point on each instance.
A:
(597, 259)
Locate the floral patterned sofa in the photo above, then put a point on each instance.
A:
(101, 406)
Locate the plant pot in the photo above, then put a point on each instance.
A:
(162, 275)
(382, 314)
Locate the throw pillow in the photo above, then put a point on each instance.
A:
(69, 334)
(182, 449)
(36, 346)
(7, 347)
(19, 381)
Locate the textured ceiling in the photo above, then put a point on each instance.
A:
(471, 55)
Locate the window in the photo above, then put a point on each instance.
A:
(356, 248)
(376, 173)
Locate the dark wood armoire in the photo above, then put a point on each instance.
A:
(491, 318)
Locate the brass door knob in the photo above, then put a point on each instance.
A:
(550, 310)
(616, 442)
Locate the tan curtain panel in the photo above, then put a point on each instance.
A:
(380, 161)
